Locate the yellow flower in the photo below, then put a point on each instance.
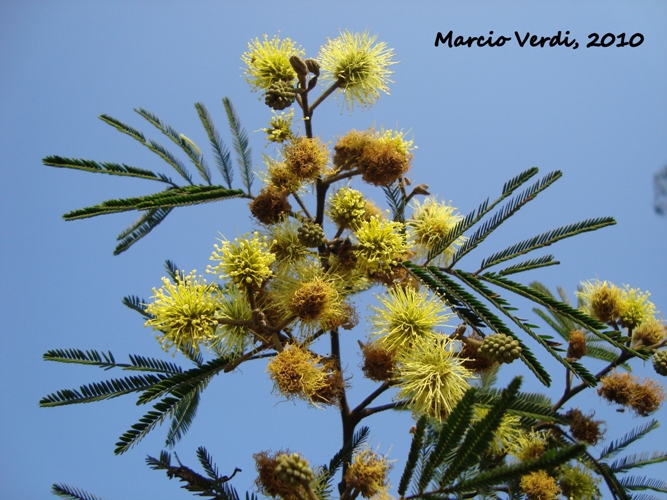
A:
(298, 373)
(381, 244)
(359, 65)
(601, 300)
(231, 340)
(528, 445)
(651, 331)
(245, 261)
(280, 127)
(578, 484)
(185, 312)
(267, 61)
(306, 158)
(407, 316)
(635, 307)
(347, 207)
(385, 158)
(286, 245)
(367, 473)
(432, 222)
(432, 377)
(539, 485)
(312, 298)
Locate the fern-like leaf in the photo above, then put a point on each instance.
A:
(336, 462)
(481, 434)
(137, 304)
(394, 197)
(182, 383)
(474, 217)
(501, 305)
(187, 146)
(91, 357)
(561, 308)
(439, 282)
(546, 239)
(449, 437)
(220, 150)
(161, 410)
(241, 145)
(507, 211)
(529, 265)
(616, 446)
(643, 483)
(527, 405)
(637, 460)
(207, 463)
(99, 391)
(66, 491)
(173, 197)
(413, 456)
(106, 168)
(498, 475)
(140, 228)
(183, 418)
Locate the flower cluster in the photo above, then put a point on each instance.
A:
(184, 312)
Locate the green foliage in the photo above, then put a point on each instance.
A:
(155, 207)
(65, 491)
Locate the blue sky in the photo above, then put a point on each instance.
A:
(479, 116)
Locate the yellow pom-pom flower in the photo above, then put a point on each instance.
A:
(246, 261)
(359, 65)
(406, 316)
(432, 222)
(311, 298)
(347, 207)
(185, 312)
(432, 377)
(232, 339)
(367, 473)
(267, 61)
(635, 307)
(280, 127)
(381, 244)
(298, 373)
(601, 300)
(539, 485)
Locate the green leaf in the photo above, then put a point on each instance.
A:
(184, 415)
(529, 265)
(185, 144)
(220, 150)
(527, 405)
(452, 431)
(505, 213)
(502, 473)
(91, 357)
(546, 239)
(637, 460)
(561, 308)
(99, 391)
(207, 463)
(140, 228)
(474, 217)
(635, 434)
(643, 483)
(394, 197)
(173, 197)
(480, 435)
(137, 304)
(105, 168)
(161, 410)
(470, 280)
(241, 145)
(183, 383)
(413, 456)
(66, 491)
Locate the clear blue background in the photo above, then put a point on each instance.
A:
(479, 116)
